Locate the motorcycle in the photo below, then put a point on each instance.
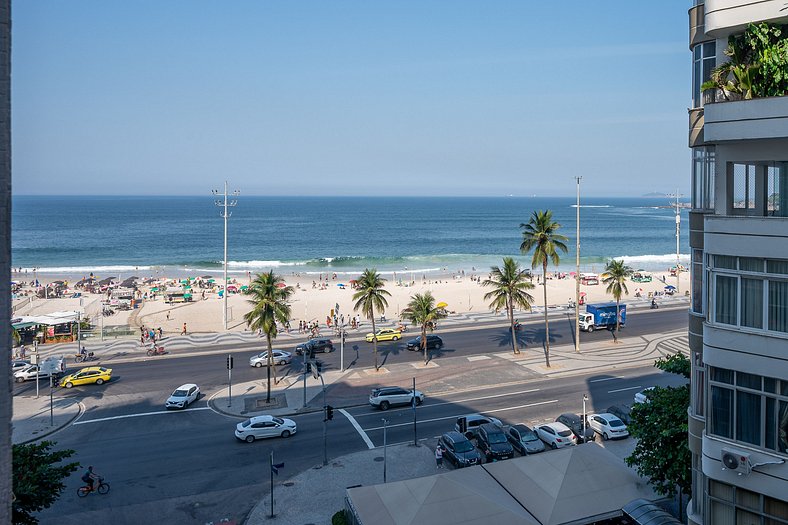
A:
(654, 305)
(517, 325)
(156, 350)
(79, 358)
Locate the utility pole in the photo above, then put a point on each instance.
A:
(678, 231)
(577, 270)
(225, 214)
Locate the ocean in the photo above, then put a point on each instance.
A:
(178, 236)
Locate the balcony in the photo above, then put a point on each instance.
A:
(765, 237)
(724, 17)
(759, 118)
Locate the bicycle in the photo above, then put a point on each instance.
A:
(103, 488)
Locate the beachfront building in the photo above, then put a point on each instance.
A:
(738, 323)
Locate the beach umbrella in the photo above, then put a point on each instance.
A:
(211, 280)
(108, 280)
(670, 287)
(441, 305)
(206, 276)
(341, 285)
(280, 285)
(244, 288)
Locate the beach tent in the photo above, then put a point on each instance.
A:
(441, 305)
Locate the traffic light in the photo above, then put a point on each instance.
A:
(229, 362)
(329, 412)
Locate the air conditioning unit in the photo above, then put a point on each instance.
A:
(736, 461)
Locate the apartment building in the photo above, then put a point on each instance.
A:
(738, 321)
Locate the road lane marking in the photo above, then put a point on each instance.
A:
(358, 428)
(477, 357)
(624, 389)
(430, 405)
(410, 423)
(606, 379)
(98, 420)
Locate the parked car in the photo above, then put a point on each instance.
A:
(90, 374)
(260, 427)
(493, 443)
(524, 440)
(575, 424)
(385, 397)
(459, 450)
(182, 396)
(622, 412)
(318, 344)
(385, 334)
(280, 357)
(468, 425)
(433, 342)
(556, 435)
(29, 373)
(642, 396)
(608, 426)
(19, 364)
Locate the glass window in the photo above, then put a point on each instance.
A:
(777, 190)
(752, 303)
(782, 427)
(703, 61)
(703, 173)
(778, 306)
(726, 299)
(751, 381)
(770, 423)
(775, 266)
(721, 412)
(722, 375)
(774, 507)
(748, 417)
(751, 264)
(725, 261)
(744, 187)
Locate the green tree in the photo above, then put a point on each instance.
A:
(269, 300)
(38, 478)
(371, 297)
(510, 285)
(421, 311)
(615, 275)
(540, 235)
(661, 431)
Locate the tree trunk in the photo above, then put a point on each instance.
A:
(268, 372)
(424, 341)
(546, 325)
(618, 318)
(271, 363)
(374, 338)
(510, 308)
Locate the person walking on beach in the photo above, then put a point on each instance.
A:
(183, 332)
(439, 456)
(168, 315)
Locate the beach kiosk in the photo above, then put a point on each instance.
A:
(57, 327)
(589, 279)
(177, 295)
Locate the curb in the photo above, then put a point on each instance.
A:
(79, 413)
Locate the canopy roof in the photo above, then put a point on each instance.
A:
(49, 319)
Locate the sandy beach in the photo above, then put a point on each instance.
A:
(462, 292)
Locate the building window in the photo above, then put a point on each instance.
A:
(726, 300)
(698, 400)
(777, 190)
(744, 188)
(778, 306)
(703, 61)
(754, 411)
(703, 170)
(696, 277)
(731, 505)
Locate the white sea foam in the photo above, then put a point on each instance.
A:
(262, 264)
(667, 259)
(88, 269)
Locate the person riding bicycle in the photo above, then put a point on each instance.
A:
(91, 478)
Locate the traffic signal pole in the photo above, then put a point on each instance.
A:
(230, 380)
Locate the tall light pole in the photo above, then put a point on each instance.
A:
(585, 398)
(225, 214)
(577, 270)
(678, 231)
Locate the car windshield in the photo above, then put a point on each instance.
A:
(496, 437)
(615, 422)
(463, 446)
(530, 436)
(179, 393)
(278, 421)
(565, 433)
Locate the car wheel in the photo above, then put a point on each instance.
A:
(590, 329)
(438, 346)
(605, 437)
(258, 365)
(99, 381)
(553, 445)
(419, 401)
(384, 405)
(283, 363)
(69, 384)
(249, 439)
(326, 350)
(20, 379)
(286, 434)
(395, 338)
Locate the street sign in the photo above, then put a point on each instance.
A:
(276, 466)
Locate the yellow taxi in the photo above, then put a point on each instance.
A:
(87, 375)
(385, 334)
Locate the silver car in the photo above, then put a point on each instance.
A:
(280, 357)
(183, 396)
(259, 427)
(524, 440)
(385, 397)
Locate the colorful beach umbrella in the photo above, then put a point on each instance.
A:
(441, 305)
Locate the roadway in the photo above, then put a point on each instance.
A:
(187, 467)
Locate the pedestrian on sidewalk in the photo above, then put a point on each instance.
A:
(439, 456)
(183, 332)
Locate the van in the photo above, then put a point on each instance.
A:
(469, 425)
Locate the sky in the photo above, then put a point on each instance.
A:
(422, 97)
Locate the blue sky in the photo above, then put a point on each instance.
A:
(350, 97)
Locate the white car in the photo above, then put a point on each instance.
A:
(608, 426)
(385, 397)
(182, 396)
(642, 396)
(19, 364)
(280, 358)
(28, 373)
(259, 427)
(557, 435)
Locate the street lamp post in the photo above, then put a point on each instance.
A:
(577, 269)
(385, 446)
(585, 398)
(225, 214)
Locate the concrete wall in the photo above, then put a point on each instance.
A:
(759, 118)
(724, 17)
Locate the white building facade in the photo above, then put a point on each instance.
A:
(738, 321)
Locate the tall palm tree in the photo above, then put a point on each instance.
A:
(270, 305)
(510, 284)
(421, 311)
(369, 298)
(540, 236)
(615, 275)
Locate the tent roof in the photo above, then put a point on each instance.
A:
(572, 484)
(467, 496)
(49, 319)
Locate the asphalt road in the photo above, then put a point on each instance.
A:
(187, 467)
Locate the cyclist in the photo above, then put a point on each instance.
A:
(91, 478)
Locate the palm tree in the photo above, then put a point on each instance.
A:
(615, 275)
(270, 305)
(540, 236)
(369, 298)
(421, 311)
(509, 283)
